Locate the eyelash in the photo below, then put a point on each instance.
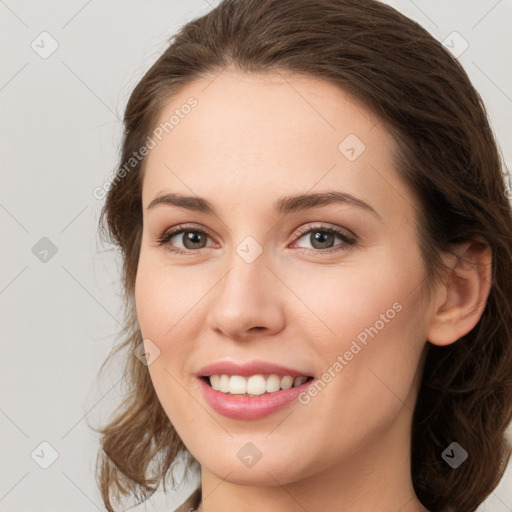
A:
(349, 242)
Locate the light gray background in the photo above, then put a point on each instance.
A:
(60, 139)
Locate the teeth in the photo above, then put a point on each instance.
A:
(273, 384)
(299, 381)
(224, 383)
(255, 384)
(214, 381)
(237, 385)
(286, 382)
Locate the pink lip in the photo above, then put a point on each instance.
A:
(245, 407)
(248, 369)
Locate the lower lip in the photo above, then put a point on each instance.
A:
(243, 407)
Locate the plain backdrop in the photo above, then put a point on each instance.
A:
(67, 69)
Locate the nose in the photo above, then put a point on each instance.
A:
(246, 302)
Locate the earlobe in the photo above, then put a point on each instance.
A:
(464, 293)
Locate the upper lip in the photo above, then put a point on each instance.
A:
(248, 369)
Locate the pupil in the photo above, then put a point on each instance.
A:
(322, 238)
(193, 238)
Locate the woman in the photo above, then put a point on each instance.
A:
(317, 248)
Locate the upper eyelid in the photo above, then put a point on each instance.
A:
(180, 228)
(305, 229)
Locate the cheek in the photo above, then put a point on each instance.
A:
(164, 302)
(360, 298)
(166, 299)
(368, 330)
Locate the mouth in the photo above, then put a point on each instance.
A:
(251, 390)
(254, 385)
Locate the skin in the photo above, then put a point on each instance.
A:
(251, 140)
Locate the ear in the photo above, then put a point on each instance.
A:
(462, 296)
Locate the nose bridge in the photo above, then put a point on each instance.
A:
(246, 297)
(246, 262)
(245, 282)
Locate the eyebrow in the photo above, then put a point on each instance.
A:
(282, 206)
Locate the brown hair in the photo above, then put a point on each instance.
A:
(447, 156)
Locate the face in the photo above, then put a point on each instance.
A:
(265, 286)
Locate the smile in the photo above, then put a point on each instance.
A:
(255, 384)
(251, 390)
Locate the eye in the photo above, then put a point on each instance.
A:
(191, 238)
(321, 239)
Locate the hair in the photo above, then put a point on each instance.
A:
(447, 156)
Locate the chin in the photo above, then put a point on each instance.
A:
(263, 474)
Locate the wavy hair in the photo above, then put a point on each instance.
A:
(448, 157)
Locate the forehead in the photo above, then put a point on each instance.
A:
(273, 134)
